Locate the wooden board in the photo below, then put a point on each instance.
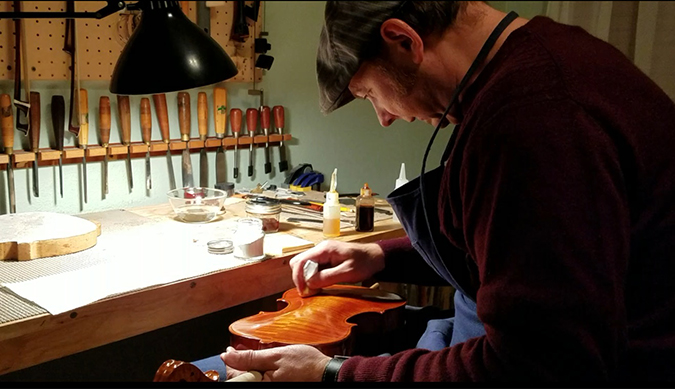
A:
(32, 235)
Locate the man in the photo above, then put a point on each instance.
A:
(552, 212)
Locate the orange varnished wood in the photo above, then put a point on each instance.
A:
(179, 371)
(326, 321)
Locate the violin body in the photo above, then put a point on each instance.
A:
(335, 321)
(179, 371)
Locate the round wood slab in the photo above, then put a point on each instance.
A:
(31, 235)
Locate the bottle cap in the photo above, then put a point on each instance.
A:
(366, 191)
(401, 176)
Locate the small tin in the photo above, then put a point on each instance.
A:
(220, 246)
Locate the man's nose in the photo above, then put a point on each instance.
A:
(384, 117)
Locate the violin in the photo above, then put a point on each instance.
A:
(339, 320)
(335, 321)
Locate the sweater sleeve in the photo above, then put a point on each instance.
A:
(546, 219)
(404, 264)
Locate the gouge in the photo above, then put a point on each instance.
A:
(7, 124)
(125, 126)
(220, 122)
(163, 119)
(265, 124)
(58, 118)
(83, 136)
(203, 127)
(235, 122)
(251, 125)
(104, 133)
(184, 121)
(146, 132)
(279, 124)
(34, 135)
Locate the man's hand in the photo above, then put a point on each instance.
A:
(340, 262)
(280, 364)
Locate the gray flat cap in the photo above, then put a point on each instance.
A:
(350, 28)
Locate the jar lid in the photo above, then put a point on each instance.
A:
(263, 205)
(220, 246)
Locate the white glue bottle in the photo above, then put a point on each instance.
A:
(331, 210)
(400, 181)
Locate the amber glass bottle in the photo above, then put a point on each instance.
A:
(365, 210)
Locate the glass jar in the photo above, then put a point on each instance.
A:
(248, 239)
(268, 210)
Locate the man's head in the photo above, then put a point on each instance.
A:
(377, 50)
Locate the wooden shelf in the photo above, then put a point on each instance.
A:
(72, 154)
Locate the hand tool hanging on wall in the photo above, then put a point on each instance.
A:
(239, 25)
(203, 16)
(58, 117)
(104, 128)
(22, 106)
(279, 124)
(220, 125)
(83, 137)
(125, 125)
(146, 132)
(251, 125)
(265, 124)
(184, 121)
(7, 123)
(163, 119)
(235, 122)
(34, 136)
(203, 127)
(69, 46)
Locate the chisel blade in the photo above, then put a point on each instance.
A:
(84, 176)
(187, 169)
(36, 180)
(220, 166)
(10, 183)
(148, 176)
(203, 169)
(61, 176)
(172, 177)
(105, 173)
(130, 172)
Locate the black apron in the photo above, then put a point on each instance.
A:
(430, 242)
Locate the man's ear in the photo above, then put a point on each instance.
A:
(402, 40)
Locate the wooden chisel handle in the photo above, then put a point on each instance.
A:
(251, 121)
(184, 118)
(125, 118)
(104, 119)
(202, 115)
(58, 119)
(220, 111)
(278, 116)
(146, 120)
(162, 115)
(265, 118)
(235, 120)
(7, 123)
(34, 121)
(83, 136)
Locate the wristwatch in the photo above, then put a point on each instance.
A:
(330, 373)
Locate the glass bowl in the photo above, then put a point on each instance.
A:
(196, 205)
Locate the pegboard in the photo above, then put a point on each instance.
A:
(99, 43)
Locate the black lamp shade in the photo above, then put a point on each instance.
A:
(167, 53)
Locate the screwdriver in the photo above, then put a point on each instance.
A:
(235, 122)
(104, 128)
(146, 131)
(83, 136)
(58, 118)
(8, 142)
(34, 130)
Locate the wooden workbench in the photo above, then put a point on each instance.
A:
(41, 338)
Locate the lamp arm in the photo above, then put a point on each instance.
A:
(112, 7)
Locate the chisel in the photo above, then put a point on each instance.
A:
(265, 124)
(146, 132)
(83, 136)
(279, 124)
(8, 142)
(220, 125)
(184, 121)
(58, 117)
(163, 119)
(34, 134)
(203, 127)
(125, 125)
(104, 128)
(251, 125)
(235, 122)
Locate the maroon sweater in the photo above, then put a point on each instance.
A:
(561, 187)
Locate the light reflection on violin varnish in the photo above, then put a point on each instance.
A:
(325, 321)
